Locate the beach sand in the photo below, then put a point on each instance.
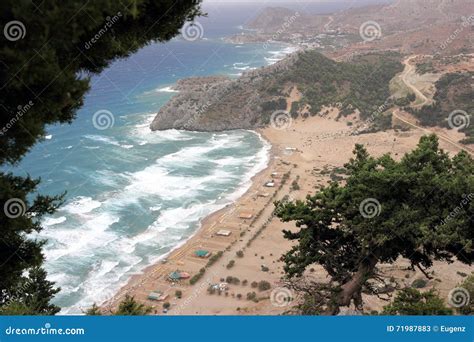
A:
(308, 150)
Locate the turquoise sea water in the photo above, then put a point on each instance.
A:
(132, 194)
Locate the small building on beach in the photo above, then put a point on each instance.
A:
(202, 253)
(178, 275)
(157, 296)
(223, 232)
(245, 215)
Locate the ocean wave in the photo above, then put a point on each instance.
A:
(81, 205)
(166, 90)
(101, 238)
(51, 221)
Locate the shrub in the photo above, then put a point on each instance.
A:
(230, 264)
(412, 302)
(264, 285)
(240, 254)
(468, 285)
(195, 278)
(166, 305)
(419, 283)
(254, 284)
(252, 296)
(178, 294)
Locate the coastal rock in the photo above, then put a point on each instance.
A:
(220, 103)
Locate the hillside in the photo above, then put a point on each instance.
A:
(453, 93)
(359, 86)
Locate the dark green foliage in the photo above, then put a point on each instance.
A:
(405, 101)
(50, 65)
(94, 311)
(31, 296)
(273, 105)
(362, 84)
(252, 296)
(412, 302)
(419, 283)
(468, 285)
(130, 307)
(178, 294)
(213, 259)
(453, 92)
(416, 197)
(44, 78)
(264, 285)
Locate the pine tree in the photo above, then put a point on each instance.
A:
(420, 208)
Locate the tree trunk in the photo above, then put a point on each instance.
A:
(351, 290)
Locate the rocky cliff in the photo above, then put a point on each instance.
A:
(221, 103)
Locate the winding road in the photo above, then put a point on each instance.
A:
(398, 114)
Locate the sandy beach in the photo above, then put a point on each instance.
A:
(309, 151)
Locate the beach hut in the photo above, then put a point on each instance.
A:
(178, 275)
(157, 296)
(202, 253)
(245, 215)
(223, 232)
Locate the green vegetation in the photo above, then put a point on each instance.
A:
(93, 311)
(468, 285)
(45, 77)
(453, 92)
(213, 259)
(409, 201)
(130, 307)
(31, 295)
(362, 84)
(230, 264)
(264, 285)
(178, 294)
(252, 296)
(412, 302)
(240, 254)
(419, 283)
(195, 278)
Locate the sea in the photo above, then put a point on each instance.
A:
(134, 195)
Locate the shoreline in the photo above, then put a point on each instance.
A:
(309, 153)
(136, 281)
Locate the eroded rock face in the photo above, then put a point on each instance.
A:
(219, 103)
